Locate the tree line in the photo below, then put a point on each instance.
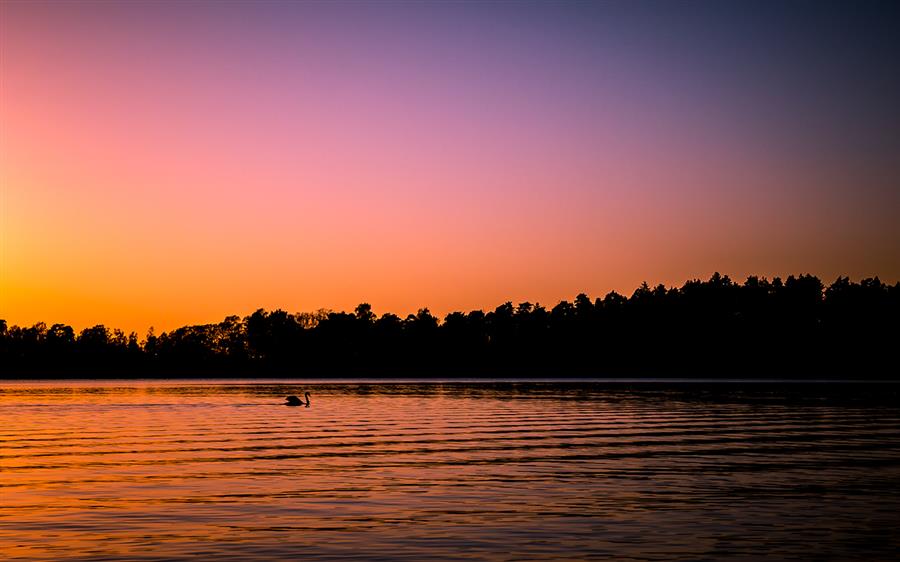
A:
(795, 327)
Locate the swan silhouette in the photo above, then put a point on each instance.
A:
(294, 401)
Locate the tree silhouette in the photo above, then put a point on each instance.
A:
(714, 328)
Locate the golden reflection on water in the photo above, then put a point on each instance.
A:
(162, 471)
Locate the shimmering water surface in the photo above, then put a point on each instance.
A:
(503, 470)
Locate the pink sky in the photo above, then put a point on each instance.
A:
(162, 170)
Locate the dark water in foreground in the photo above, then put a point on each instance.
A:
(218, 470)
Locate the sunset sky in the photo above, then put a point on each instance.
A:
(170, 163)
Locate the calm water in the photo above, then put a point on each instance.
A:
(505, 471)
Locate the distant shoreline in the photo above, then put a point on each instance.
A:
(795, 328)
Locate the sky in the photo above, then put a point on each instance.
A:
(171, 163)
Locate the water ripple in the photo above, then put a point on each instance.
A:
(525, 471)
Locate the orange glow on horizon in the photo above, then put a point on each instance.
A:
(161, 177)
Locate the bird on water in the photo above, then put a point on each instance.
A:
(294, 401)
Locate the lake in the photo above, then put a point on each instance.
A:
(166, 470)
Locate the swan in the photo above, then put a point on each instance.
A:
(294, 401)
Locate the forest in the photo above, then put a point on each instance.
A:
(791, 328)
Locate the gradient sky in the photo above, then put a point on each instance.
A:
(170, 163)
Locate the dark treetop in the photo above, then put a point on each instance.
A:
(714, 328)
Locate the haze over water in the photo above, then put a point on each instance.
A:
(492, 470)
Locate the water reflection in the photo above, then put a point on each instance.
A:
(509, 470)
